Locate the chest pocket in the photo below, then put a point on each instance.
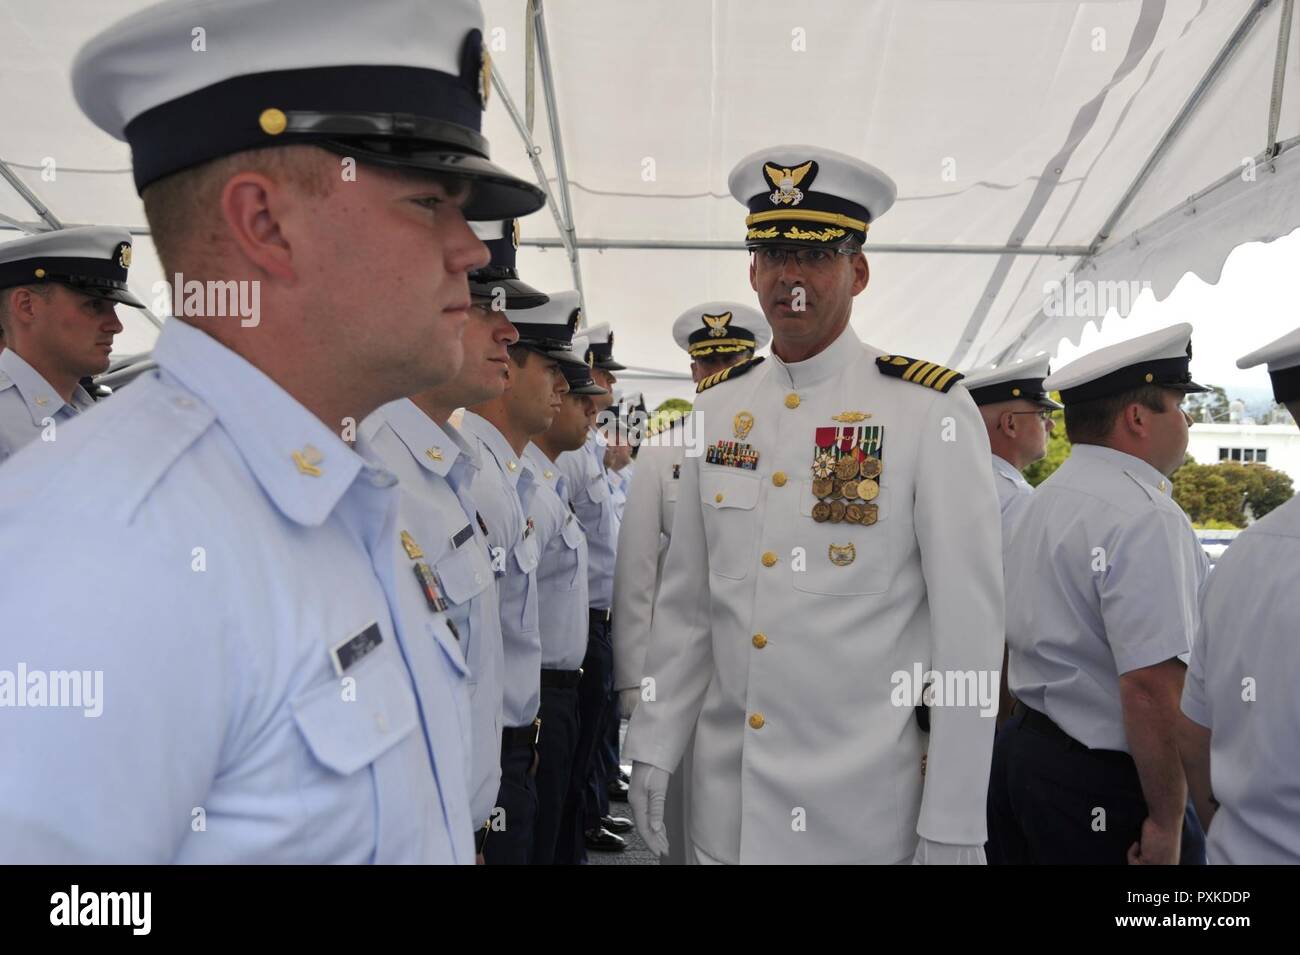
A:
(526, 556)
(867, 561)
(465, 573)
(728, 497)
(346, 734)
(574, 541)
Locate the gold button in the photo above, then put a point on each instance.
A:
(718, 498)
(1015, 392)
(1162, 485)
(757, 721)
(40, 273)
(769, 558)
(760, 640)
(1150, 378)
(778, 478)
(273, 121)
(512, 466)
(792, 400)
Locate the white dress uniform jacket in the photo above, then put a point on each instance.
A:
(643, 539)
(29, 407)
(1241, 684)
(438, 467)
(788, 659)
(274, 687)
(1111, 571)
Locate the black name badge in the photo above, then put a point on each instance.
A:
(462, 536)
(351, 651)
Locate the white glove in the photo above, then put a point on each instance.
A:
(646, 795)
(627, 701)
(943, 853)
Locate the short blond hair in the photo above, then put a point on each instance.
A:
(184, 208)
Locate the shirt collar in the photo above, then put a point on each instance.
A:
(1126, 462)
(303, 466)
(41, 399)
(1005, 467)
(440, 451)
(497, 446)
(827, 363)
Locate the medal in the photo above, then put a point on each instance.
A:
(868, 489)
(850, 489)
(822, 487)
(842, 555)
(821, 512)
(846, 468)
(870, 512)
(870, 468)
(837, 511)
(853, 513)
(742, 423)
(429, 587)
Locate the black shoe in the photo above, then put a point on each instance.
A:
(617, 823)
(618, 790)
(601, 839)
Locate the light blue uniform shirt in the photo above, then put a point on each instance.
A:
(593, 502)
(498, 491)
(1241, 686)
(438, 466)
(562, 571)
(1105, 571)
(1013, 490)
(29, 407)
(220, 584)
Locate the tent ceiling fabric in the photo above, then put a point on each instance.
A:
(1004, 123)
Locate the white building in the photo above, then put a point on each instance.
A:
(1277, 445)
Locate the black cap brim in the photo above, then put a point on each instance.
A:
(609, 364)
(518, 293)
(496, 194)
(122, 296)
(1048, 403)
(1187, 387)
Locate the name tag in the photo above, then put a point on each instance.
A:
(353, 650)
(462, 536)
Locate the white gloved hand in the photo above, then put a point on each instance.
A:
(943, 853)
(627, 701)
(646, 794)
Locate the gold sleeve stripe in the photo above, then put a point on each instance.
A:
(943, 382)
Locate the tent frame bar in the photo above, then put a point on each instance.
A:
(727, 245)
(29, 197)
(1180, 120)
(533, 151)
(1279, 76)
(557, 143)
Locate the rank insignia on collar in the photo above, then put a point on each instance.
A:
(308, 460)
(435, 454)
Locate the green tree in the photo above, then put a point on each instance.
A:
(1058, 449)
(667, 413)
(1207, 496)
(1216, 400)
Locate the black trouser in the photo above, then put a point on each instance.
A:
(608, 751)
(593, 692)
(559, 714)
(1045, 792)
(512, 844)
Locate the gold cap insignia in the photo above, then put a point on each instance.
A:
(785, 181)
(717, 324)
(124, 255)
(485, 78)
(273, 121)
(514, 233)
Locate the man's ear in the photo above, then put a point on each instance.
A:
(1007, 422)
(22, 306)
(861, 273)
(253, 206)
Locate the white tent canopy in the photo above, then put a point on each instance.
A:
(1119, 142)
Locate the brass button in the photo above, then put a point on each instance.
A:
(792, 400)
(760, 640)
(757, 721)
(718, 498)
(769, 558)
(778, 478)
(1162, 485)
(273, 121)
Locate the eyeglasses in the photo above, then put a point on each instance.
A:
(770, 257)
(1044, 414)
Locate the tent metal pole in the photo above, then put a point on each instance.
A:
(1180, 120)
(727, 245)
(533, 151)
(29, 197)
(1279, 76)
(553, 121)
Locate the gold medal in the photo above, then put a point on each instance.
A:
(837, 512)
(846, 468)
(870, 513)
(821, 511)
(868, 489)
(850, 489)
(853, 513)
(823, 465)
(836, 489)
(842, 555)
(741, 424)
(822, 487)
(870, 467)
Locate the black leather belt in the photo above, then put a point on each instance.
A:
(598, 616)
(560, 679)
(1042, 723)
(518, 737)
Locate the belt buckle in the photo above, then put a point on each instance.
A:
(537, 727)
